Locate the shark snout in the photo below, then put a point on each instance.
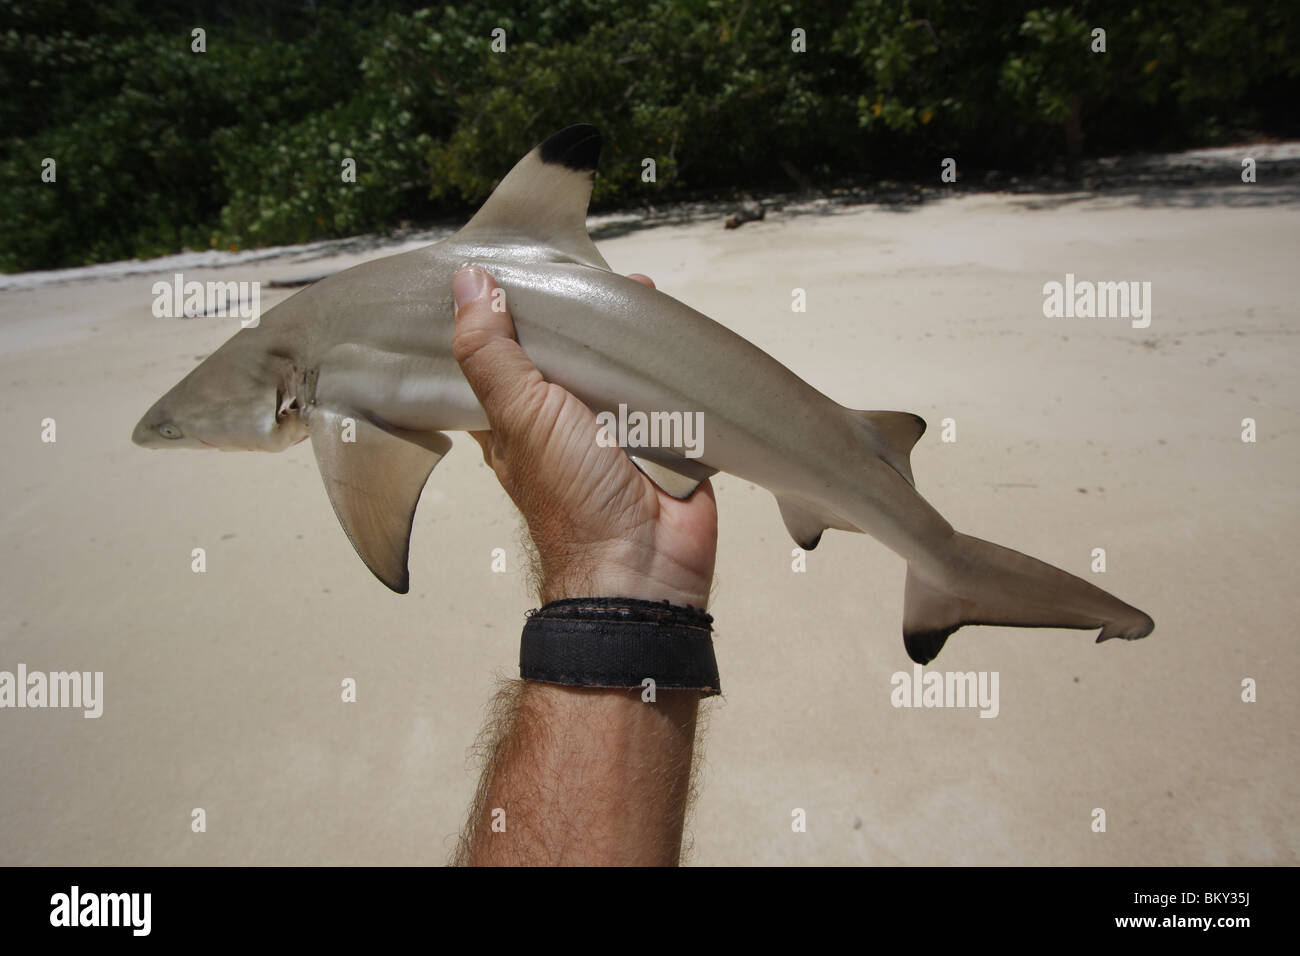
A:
(143, 434)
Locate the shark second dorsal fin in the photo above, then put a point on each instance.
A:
(892, 435)
(374, 475)
(543, 200)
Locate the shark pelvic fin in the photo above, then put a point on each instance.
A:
(674, 476)
(373, 475)
(543, 200)
(805, 524)
(892, 437)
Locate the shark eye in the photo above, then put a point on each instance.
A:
(168, 430)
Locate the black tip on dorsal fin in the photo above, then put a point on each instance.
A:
(577, 147)
(542, 202)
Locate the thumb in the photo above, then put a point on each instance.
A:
(484, 345)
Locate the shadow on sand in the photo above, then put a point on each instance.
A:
(1178, 181)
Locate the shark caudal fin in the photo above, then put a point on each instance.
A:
(985, 583)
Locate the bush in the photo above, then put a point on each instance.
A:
(160, 148)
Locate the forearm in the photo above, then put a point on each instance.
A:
(584, 776)
(577, 774)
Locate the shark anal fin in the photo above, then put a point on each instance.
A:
(929, 618)
(677, 477)
(892, 436)
(373, 475)
(543, 200)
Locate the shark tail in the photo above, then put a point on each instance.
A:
(979, 582)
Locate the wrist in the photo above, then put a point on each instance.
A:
(629, 566)
(605, 584)
(620, 643)
(605, 576)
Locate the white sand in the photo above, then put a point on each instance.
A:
(222, 689)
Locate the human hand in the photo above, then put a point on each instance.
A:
(601, 528)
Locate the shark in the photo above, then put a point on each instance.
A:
(360, 363)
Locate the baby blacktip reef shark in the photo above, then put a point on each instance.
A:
(361, 363)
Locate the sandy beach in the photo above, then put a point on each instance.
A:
(221, 690)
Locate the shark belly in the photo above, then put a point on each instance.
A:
(416, 392)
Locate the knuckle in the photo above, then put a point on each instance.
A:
(468, 340)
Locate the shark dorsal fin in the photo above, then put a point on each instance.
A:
(543, 200)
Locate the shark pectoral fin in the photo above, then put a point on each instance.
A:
(674, 476)
(892, 437)
(373, 475)
(805, 525)
(543, 200)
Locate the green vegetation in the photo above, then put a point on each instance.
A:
(159, 148)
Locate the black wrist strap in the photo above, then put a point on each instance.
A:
(619, 642)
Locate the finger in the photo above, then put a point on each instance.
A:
(496, 368)
(643, 279)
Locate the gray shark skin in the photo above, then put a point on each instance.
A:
(361, 363)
